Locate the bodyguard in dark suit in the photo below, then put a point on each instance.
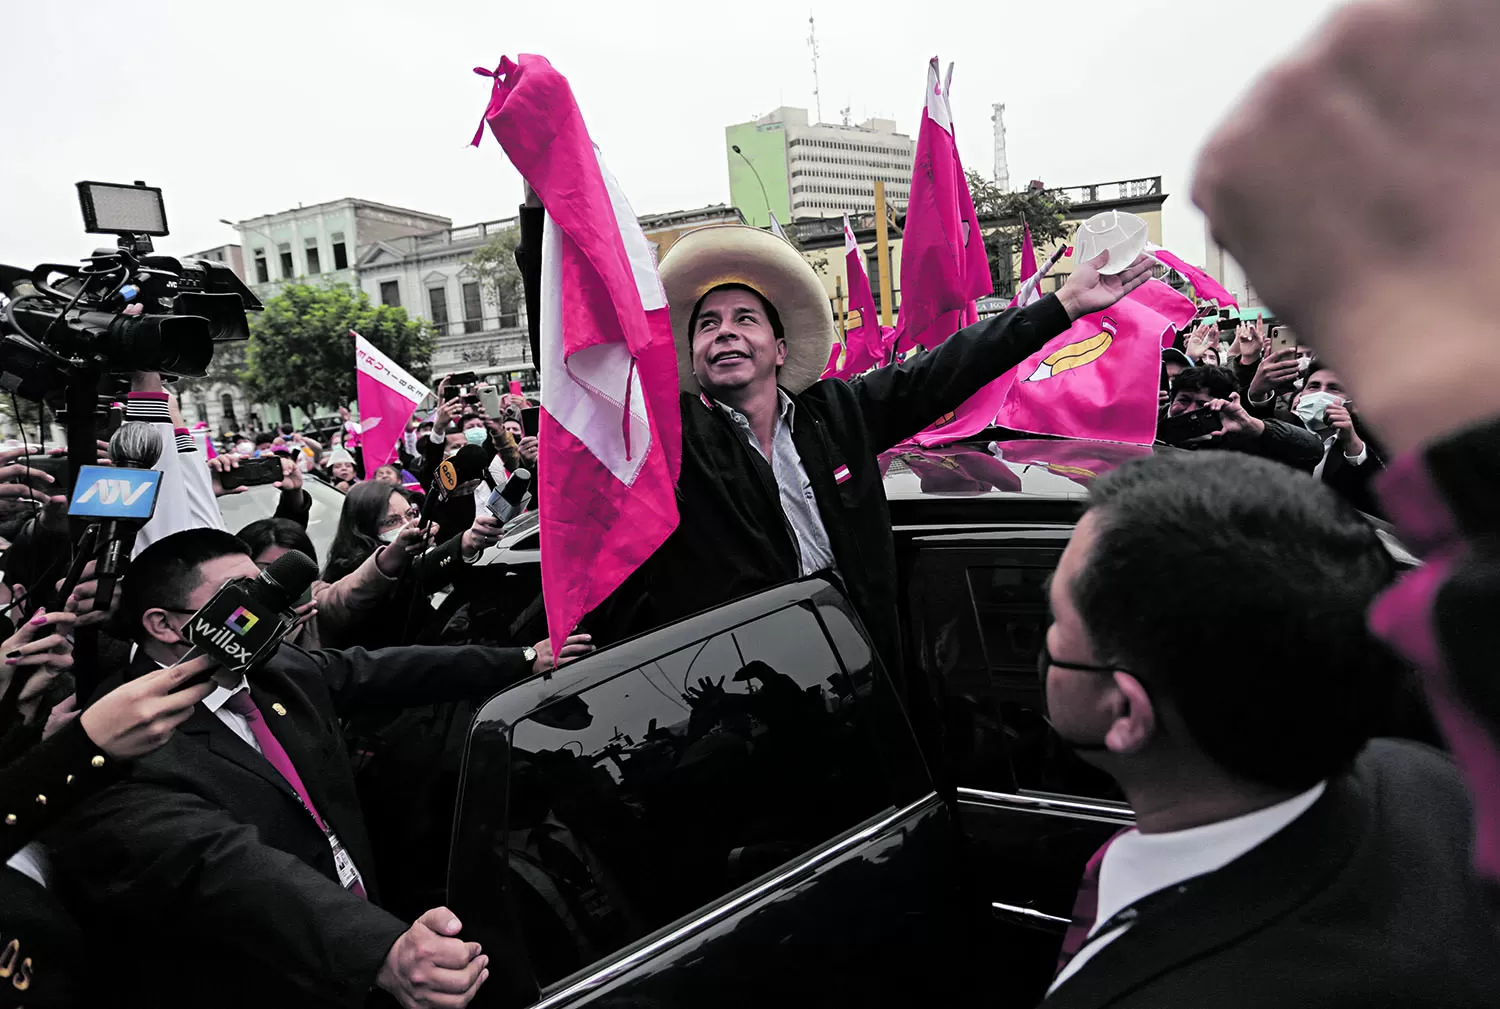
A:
(1280, 858)
(232, 867)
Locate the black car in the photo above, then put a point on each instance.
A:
(737, 809)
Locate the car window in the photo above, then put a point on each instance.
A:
(979, 614)
(664, 788)
(239, 510)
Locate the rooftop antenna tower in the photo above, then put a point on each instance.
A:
(1002, 166)
(812, 43)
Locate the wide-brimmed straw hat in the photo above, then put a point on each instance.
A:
(739, 254)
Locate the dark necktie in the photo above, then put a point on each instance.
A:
(1085, 905)
(241, 704)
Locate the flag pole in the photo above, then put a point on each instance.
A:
(838, 299)
(882, 253)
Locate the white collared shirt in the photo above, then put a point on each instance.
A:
(1329, 444)
(238, 724)
(798, 504)
(1136, 865)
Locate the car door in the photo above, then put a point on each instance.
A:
(1032, 812)
(729, 811)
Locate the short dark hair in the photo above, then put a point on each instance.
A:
(263, 534)
(166, 573)
(1217, 382)
(772, 316)
(1294, 697)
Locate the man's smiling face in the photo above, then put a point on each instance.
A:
(734, 343)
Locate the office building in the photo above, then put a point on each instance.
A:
(784, 164)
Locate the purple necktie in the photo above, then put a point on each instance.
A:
(1085, 905)
(241, 704)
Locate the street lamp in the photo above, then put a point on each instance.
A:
(766, 199)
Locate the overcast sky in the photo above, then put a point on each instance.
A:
(237, 110)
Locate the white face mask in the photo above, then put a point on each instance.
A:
(1313, 408)
(389, 536)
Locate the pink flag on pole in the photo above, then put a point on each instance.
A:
(1098, 380)
(1204, 286)
(611, 427)
(943, 263)
(865, 339)
(387, 396)
(835, 352)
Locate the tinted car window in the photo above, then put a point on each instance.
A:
(979, 614)
(239, 510)
(663, 788)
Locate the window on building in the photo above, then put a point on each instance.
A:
(390, 293)
(262, 273)
(313, 266)
(437, 303)
(340, 256)
(288, 269)
(473, 308)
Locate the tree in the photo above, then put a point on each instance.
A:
(300, 351)
(1045, 210)
(494, 265)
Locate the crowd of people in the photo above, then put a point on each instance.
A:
(1300, 836)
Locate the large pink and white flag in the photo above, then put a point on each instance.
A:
(387, 397)
(1098, 380)
(611, 426)
(943, 263)
(1204, 286)
(864, 337)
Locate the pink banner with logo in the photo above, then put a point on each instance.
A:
(387, 397)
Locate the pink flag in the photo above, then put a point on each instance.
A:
(387, 396)
(1204, 286)
(1098, 380)
(865, 338)
(943, 263)
(831, 368)
(611, 428)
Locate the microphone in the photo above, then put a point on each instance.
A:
(243, 624)
(133, 446)
(465, 467)
(511, 498)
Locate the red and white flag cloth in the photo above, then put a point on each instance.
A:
(864, 338)
(611, 424)
(387, 397)
(1204, 286)
(943, 263)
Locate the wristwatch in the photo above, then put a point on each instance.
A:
(529, 654)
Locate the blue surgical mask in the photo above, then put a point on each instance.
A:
(476, 436)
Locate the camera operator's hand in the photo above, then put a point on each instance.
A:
(38, 645)
(429, 966)
(529, 448)
(221, 464)
(574, 647)
(146, 381)
(479, 537)
(1275, 375)
(140, 716)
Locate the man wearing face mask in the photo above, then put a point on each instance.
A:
(1280, 854)
(240, 845)
(1350, 461)
(1207, 387)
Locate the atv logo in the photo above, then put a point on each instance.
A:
(107, 492)
(110, 491)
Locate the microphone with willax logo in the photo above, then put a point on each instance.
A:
(243, 624)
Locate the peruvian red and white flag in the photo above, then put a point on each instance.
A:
(387, 396)
(611, 426)
(943, 263)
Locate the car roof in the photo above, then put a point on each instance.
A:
(1024, 467)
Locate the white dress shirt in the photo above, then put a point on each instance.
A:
(238, 724)
(1329, 444)
(1137, 865)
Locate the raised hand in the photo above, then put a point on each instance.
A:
(1087, 290)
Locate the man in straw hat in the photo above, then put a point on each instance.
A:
(779, 472)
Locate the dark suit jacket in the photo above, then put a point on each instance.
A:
(202, 878)
(1366, 901)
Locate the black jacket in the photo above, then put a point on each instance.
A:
(1365, 901)
(733, 539)
(204, 857)
(38, 788)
